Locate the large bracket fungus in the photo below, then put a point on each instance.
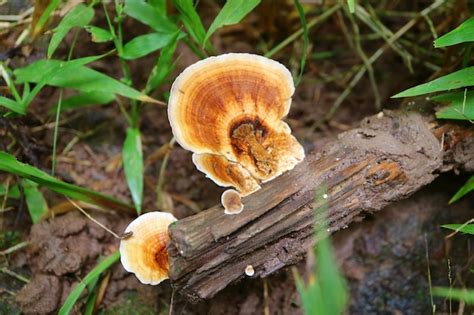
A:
(228, 111)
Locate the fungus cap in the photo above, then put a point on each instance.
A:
(232, 202)
(145, 253)
(228, 110)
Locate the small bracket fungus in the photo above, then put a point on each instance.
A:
(232, 202)
(144, 251)
(228, 110)
(249, 271)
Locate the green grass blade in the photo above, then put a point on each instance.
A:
(456, 294)
(12, 105)
(159, 5)
(191, 19)
(455, 80)
(301, 14)
(145, 44)
(351, 5)
(465, 189)
(9, 164)
(45, 15)
(98, 34)
(132, 157)
(79, 16)
(231, 13)
(149, 15)
(37, 206)
(461, 34)
(461, 108)
(13, 191)
(163, 67)
(86, 99)
(91, 276)
(464, 228)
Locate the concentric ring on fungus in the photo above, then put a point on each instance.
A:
(228, 110)
(144, 253)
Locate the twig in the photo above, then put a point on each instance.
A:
(14, 248)
(14, 275)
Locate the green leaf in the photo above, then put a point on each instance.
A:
(132, 157)
(79, 16)
(454, 293)
(231, 13)
(71, 74)
(464, 228)
(98, 34)
(191, 19)
(9, 164)
(159, 5)
(35, 201)
(455, 80)
(86, 99)
(460, 108)
(91, 276)
(13, 192)
(149, 15)
(145, 44)
(12, 105)
(461, 34)
(351, 5)
(300, 10)
(468, 187)
(163, 67)
(53, 4)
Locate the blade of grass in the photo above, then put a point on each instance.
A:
(191, 20)
(464, 228)
(91, 276)
(468, 187)
(351, 5)
(132, 157)
(461, 34)
(461, 107)
(163, 67)
(35, 201)
(38, 26)
(145, 44)
(456, 294)
(149, 15)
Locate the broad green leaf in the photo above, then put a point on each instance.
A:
(232, 12)
(456, 294)
(191, 19)
(132, 157)
(37, 206)
(145, 44)
(149, 15)
(460, 108)
(462, 33)
(98, 34)
(468, 228)
(71, 74)
(9, 164)
(91, 276)
(86, 99)
(351, 5)
(455, 80)
(163, 67)
(12, 105)
(301, 13)
(79, 16)
(13, 191)
(466, 188)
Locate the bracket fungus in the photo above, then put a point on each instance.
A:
(232, 202)
(228, 111)
(144, 252)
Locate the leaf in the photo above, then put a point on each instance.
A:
(468, 228)
(132, 157)
(461, 34)
(163, 67)
(466, 188)
(351, 5)
(455, 80)
(41, 14)
(98, 34)
(13, 192)
(9, 164)
(159, 5)
(79, 16)
(149, 15)
(91, 276)
(454, 293)
(232, 12)
(145, 44)
(12, 105)
(300, 10)
(71, 74)
(35, 201)
(191, 19)
(86, 99)
(460, 108)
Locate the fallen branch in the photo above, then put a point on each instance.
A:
(388, 158)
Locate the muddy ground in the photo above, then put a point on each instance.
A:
(384, 258)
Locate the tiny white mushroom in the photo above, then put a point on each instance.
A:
(325, 196)
(249, 271)
(232, 202)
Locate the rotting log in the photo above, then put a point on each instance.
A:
(391, 156)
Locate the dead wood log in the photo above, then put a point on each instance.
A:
(388, 158)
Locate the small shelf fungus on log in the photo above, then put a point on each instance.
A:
(228, 111)
(232, 202)
(144, 252)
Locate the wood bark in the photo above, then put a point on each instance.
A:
(391, 156)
